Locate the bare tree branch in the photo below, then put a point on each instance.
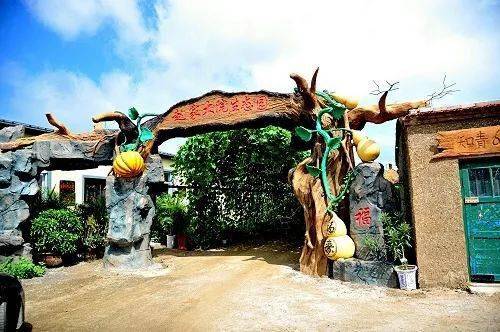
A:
(382, 100)
(377, 91)
(445, 90)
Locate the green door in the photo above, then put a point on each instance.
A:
(481, 193)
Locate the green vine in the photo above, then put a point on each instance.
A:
(144, 134)
(332, 143)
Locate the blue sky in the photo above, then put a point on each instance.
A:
(79, 58)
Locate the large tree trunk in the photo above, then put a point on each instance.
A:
(310, 193)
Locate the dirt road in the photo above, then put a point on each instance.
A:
(240, 289)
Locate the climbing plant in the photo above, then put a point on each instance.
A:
(333, 141)
(144, 134)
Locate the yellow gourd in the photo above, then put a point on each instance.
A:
(335, 227)
(128, 164)
(339, 247)
(357, 136)
(368, 150)
(347, 101)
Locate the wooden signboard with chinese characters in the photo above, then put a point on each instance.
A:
(468, 142)
(221, 110)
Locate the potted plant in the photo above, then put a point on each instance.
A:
(398, 239)
(57, 235)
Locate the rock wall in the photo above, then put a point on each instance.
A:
(370, 194)
(19, 171)
(365, 272)
(131, 211)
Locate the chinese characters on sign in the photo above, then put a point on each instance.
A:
(479, 140)
(220, 106)
(363, 218)
(468, 142)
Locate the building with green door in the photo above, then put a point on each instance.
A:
(449, 162)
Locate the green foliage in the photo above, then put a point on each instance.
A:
(171, 217)
(239, 183)
(334, 143)
(397, 235)
(133, 114)
(304, 133)
(375, 249)
(313, 170)
(57, 231)
(21, 268)
(46, 200)
(146, 135)
(94, 217)
(338, 112)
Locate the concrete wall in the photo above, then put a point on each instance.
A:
(436, 205)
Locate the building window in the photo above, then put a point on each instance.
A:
(93, 189)
(480, 182)
(169, 177)
(67, 191)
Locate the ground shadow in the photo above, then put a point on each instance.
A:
(275, 252)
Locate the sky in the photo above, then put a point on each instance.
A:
(79, 58)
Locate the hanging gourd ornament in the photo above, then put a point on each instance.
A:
(128, 164)
(339, 247)
(367, 149)
(347, 101)
(335, 227)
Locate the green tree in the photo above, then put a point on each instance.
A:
(238, 183)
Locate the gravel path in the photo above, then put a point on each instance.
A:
(240, 289)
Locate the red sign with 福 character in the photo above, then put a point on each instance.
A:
(363, 218)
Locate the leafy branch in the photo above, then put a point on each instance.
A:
(144, 134)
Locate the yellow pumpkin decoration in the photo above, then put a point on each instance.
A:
(347, 101)
(335, 227)
(339, 247)
(128, 164)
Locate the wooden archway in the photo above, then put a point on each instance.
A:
(218, 110)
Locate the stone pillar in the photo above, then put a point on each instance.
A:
(18, 171)
(131, 211)
(370, 194)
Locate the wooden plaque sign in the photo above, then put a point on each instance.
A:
(225, 110)
(468, 142)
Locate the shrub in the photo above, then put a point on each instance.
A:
(46, 200)
(22, 268)
(397, 235)
(376, 250)
(171, 217)
(57, 231)
(95, 222)
(238, 184)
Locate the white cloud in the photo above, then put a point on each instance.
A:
(197, 46)
(73, 18)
